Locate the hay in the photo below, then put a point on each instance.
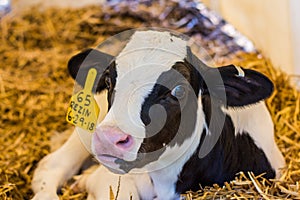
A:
(35, 89)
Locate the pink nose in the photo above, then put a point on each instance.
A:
(112, 141)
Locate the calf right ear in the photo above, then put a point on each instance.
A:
(242, 87)
(80, 64)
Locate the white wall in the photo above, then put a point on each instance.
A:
(273, 25)
(295, 29)
(23, 4)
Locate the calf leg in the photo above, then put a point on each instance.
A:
(57, 167)
(103, 184)
(101, 181)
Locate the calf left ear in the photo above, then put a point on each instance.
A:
(241, 86)
(80, 64)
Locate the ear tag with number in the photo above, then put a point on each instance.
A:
(83, 110)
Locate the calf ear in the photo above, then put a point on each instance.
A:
(81, 63)
(242, 86)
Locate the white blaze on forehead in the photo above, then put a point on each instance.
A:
(145, 57)
(151, 47)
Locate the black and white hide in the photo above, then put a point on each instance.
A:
(167, 123)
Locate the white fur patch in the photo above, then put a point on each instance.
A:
(151, 47)
(256, 121)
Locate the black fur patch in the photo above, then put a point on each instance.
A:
(230, 155)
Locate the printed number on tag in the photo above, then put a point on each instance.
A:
(83, 110)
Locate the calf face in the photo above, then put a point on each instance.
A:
(155, 88)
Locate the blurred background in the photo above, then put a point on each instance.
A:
(272, 25)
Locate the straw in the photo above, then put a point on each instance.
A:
(35, 89)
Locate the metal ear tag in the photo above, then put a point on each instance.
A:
(240, 71)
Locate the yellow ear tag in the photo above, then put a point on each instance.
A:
(83, 110)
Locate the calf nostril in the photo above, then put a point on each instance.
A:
(125, 142)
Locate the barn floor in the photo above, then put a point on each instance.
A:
(35, 89)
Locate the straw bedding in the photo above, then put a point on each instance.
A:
(35, 89)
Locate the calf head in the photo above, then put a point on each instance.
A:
(155, 91)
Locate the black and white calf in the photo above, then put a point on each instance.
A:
(167, 123)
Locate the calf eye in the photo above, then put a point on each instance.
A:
(108, 82)
(179, 91)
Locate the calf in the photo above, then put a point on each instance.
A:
(167, 123)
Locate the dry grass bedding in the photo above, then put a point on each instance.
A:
(35, 89)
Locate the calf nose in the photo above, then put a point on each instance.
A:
(115, 137)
